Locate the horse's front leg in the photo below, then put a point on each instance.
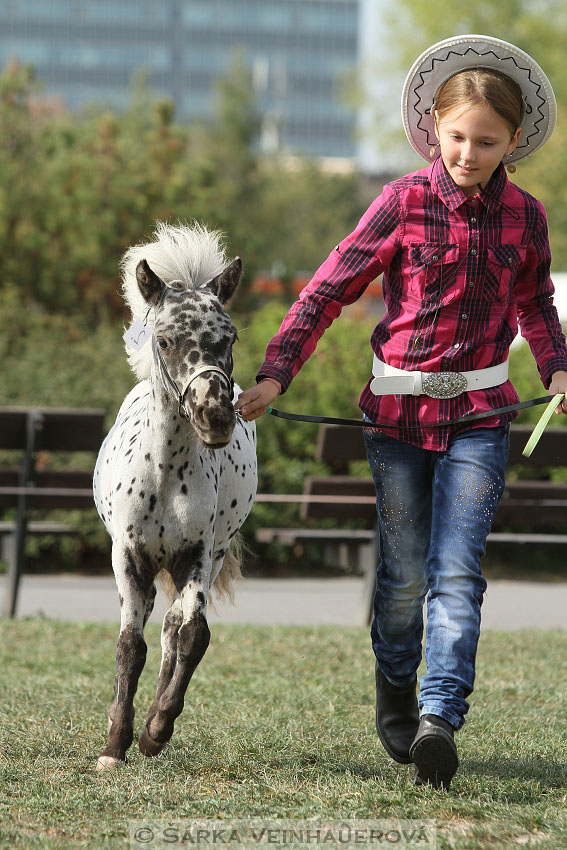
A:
(135, 586)
(185, 638)
(169, 633)
(150, 600)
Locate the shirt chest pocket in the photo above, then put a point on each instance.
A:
(503, 263)
(433, 268)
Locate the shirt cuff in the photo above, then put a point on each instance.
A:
(556, 364)
(270, 370)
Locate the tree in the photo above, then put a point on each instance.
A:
(77, 190)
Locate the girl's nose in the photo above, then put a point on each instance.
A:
(467, 152)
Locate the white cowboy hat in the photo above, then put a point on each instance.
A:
(447, 58)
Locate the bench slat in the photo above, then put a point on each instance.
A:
(338, 445)
(39, 527)
(291, 536)
(523, 538)
(64, 429)
(48, 498)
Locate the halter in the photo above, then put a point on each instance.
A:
(169, 384)
(172, 387)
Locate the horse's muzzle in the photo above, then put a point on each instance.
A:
(214, 424)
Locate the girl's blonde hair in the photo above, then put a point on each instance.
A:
(478, 86)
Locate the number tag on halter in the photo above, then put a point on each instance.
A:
(137, 335)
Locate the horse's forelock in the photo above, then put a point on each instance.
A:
(188, 255)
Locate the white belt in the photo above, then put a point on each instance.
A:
(389, 380)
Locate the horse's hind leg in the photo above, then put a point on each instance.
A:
(134, 588)
(192, 637)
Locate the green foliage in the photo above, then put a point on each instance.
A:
(76, 191)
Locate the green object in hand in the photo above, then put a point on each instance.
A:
(540, 427)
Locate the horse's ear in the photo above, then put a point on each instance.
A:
(151, 286)
(224, 285)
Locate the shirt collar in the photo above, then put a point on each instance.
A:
(452, 196)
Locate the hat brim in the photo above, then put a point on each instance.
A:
(446, 58)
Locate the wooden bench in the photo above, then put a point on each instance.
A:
(28, 485)
(537, 504)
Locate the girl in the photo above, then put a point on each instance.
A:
(465, 256)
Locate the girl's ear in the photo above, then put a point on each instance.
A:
(514, 141)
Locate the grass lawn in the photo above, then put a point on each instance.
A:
(278, 724)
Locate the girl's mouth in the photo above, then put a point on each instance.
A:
(465, 170)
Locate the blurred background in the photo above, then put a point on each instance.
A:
(275, 121)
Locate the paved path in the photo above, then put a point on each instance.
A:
(325, 601)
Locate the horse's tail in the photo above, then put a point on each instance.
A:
(231, 570)
(223, 584)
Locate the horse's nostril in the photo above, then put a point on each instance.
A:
(220, 418)
(217, 418)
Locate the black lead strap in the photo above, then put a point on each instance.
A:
(470, 417)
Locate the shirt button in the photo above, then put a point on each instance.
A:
(464, 315)
(470, 283)
(456, 345)
(473, 252)
(435, 258)
(473, 220)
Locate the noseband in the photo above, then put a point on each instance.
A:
(172, 387)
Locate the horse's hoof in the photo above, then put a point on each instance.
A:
(149, 747)
(109, 763)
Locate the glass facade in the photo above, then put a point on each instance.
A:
(299, 52)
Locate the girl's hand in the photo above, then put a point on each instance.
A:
(559, 385)
(252, 403)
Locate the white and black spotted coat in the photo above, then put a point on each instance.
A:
(160, 492)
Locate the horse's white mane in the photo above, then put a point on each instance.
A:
(187, 256)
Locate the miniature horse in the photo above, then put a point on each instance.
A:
(176, 476)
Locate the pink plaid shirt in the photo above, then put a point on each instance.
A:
(460, 274)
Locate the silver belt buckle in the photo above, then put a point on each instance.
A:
(443, 384)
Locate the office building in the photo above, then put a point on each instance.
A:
(299, 52)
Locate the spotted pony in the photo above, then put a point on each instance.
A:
(176, 476)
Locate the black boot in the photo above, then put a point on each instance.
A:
(397, 717)
(434, 752)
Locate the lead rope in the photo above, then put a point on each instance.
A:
(551, 400)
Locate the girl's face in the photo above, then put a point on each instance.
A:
(473, 143)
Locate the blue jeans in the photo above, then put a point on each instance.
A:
(435, 510)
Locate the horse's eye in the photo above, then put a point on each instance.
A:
(162, 343)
